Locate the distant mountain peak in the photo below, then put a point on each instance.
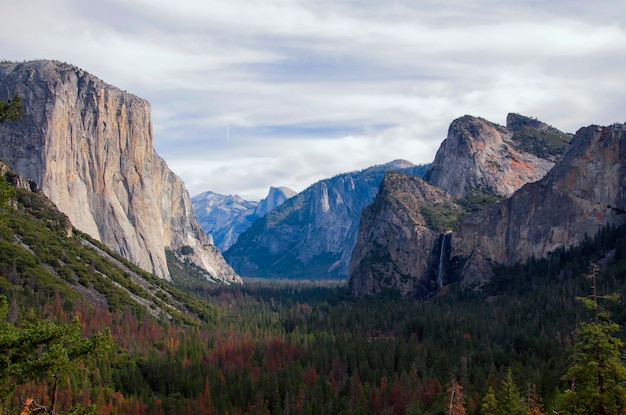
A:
(313, 233)
(224, 217)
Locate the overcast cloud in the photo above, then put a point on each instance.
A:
(248, 94)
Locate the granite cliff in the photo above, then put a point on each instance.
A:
(585, 191)
(226, 217)
(478, 154)
(399, 246)
(404, 241)
(313, 233)
(88, 146)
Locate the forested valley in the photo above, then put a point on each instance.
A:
(301, 347)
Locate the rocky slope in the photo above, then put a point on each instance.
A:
(399, 246)
(478, 154)
(585, 191)
(312, 234)
(89, 147)
(44, 257)
(226, 217)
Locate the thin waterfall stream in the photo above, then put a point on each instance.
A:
(441, 272)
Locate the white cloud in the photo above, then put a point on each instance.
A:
(310, 88)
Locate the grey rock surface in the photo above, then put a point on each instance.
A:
(585, 191)
(480, 154)
(396, 247)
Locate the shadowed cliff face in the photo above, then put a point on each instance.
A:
(89, 147)
(585, 191)
(398, 249)
(398, 246)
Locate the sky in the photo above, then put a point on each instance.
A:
(248, 94)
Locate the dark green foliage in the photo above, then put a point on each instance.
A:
(11, 109)
(477, 199)
(542, 143)
(597, 374)
(42, 349)
(441, 218)
(292, 347)
(186, 250)
(7, 192)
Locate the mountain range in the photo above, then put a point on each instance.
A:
(225, 217)
(494, 195)
(417, 237)
(311, 235)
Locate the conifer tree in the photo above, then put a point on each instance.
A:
(508, 397)
(42, 349)
(489, 405)
(597, 375)
(11, 110)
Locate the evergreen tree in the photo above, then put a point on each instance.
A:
(597, 376)
(505, 400)
(11, 110)
(490, 405)
(508, 397)
(41, 349)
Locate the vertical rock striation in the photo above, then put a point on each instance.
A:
(405, 242)
(89, 147)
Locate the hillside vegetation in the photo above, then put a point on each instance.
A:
(287, 347)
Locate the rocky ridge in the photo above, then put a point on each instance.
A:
(407, 237)
(88, 146)
(394, 249)
(584, 192)
(313, 233)
(478, 154)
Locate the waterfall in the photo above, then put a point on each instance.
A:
(441, 272)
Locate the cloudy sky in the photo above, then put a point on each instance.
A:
(248, 94)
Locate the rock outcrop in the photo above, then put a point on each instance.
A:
(89, 147)
(275, 197)
(585, 191)
(226, 217)
(313, 233)
(478, 164)
(478, 154)
(398, 247)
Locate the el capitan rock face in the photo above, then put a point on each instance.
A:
(478, 154)
(89, 147)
